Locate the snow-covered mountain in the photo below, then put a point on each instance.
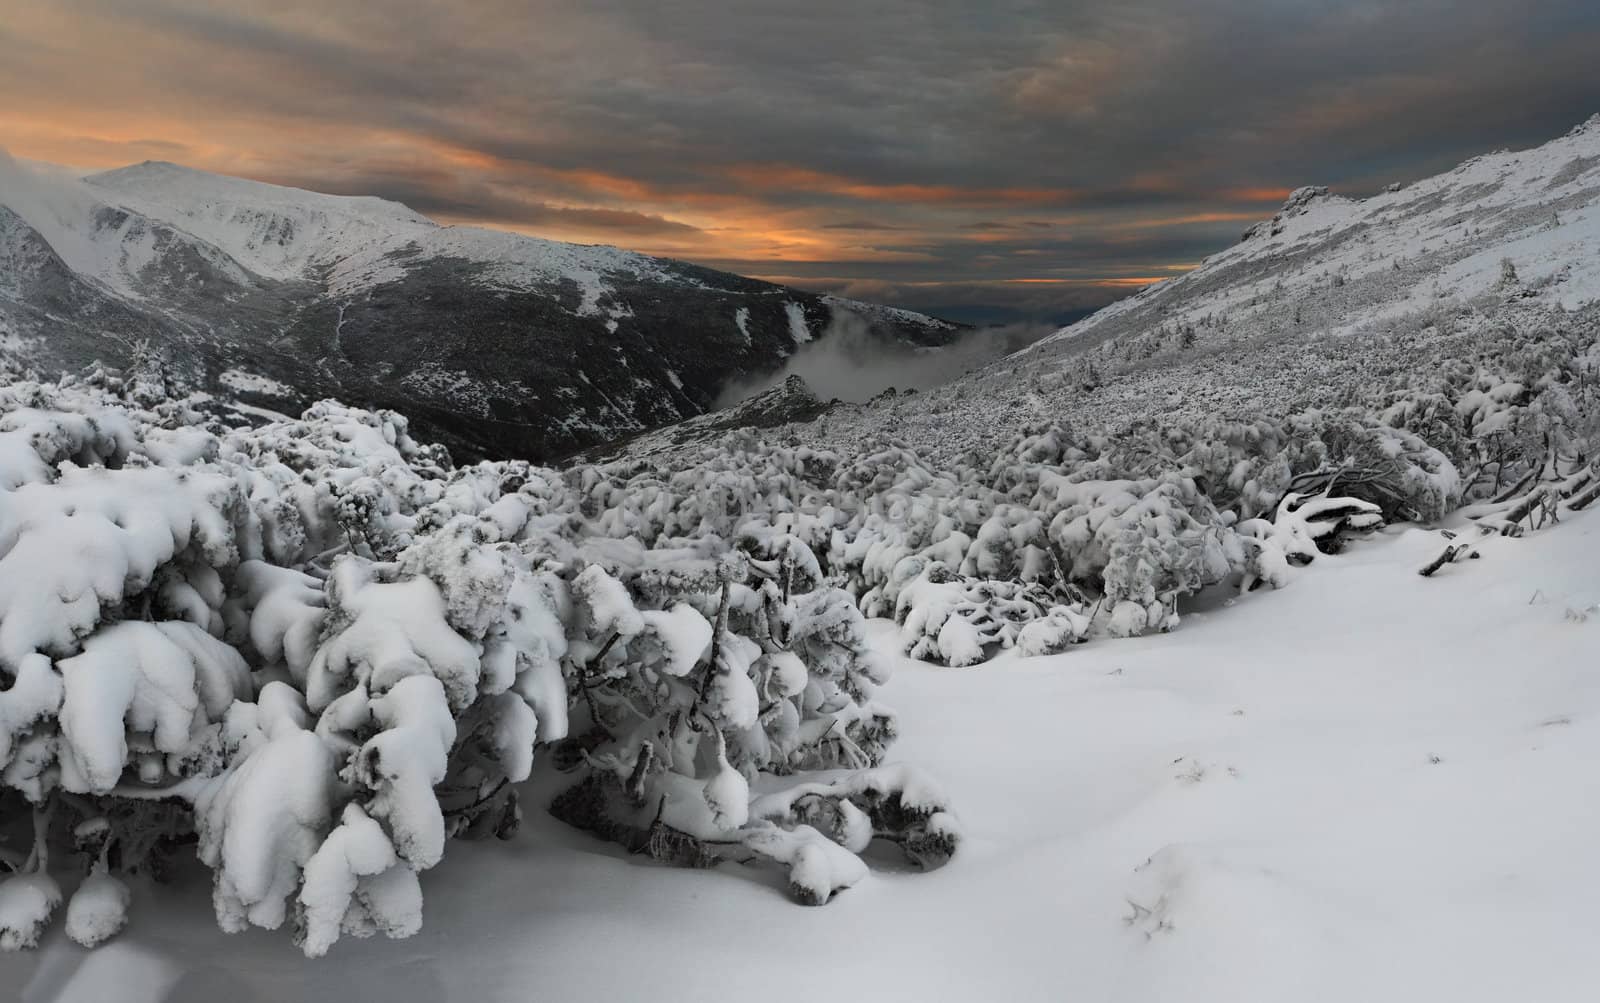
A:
(1330, 297)
(1342, 265)
(494, 342)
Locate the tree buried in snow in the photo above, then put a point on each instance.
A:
(311, 653)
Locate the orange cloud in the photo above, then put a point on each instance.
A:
(1251, 194)
(1190, 219)
(728, 214)
(785, 177)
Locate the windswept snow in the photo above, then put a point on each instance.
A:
(797, 323)
(511, 261)
(478, 334)
(66, 212)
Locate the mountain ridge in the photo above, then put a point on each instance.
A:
(497, 344)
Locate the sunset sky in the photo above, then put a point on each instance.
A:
(998, 160)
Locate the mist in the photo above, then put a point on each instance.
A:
(850, 362)
(54, 202)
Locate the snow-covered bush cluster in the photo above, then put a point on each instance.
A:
(1063, 533)
(317, 650)
(313, 652)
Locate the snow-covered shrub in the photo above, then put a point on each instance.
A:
(1302, 529)
(1060, 628)
(98, 909)
(947, 618)
(28, 901)
(696, 676)
(1138, 540)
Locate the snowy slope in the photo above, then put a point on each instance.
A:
(91, 238)
(879, 311)
(1446, 237)
(278, 233)
(1369, 786)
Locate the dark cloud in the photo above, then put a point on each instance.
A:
(998, 224)
(860, 224)
(909, 141)
(1084, 257)
(444, 196)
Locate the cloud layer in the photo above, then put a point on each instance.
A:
(851, 363)
(1040, 156)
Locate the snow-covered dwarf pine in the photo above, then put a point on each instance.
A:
(1103, 531)
(674, 739)
(314, 652)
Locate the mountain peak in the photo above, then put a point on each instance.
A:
(163, 182)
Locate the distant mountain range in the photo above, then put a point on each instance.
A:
(493, 343)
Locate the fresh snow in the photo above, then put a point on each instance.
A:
(265, 414)
(98, 910)
(27, 902)
(1368, 786)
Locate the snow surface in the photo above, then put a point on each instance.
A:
(98, 910)
(1371, 786)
